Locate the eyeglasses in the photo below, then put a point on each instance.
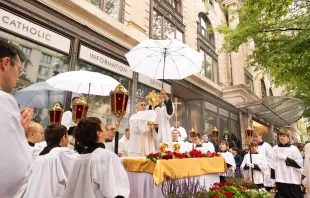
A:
(143, 105)
(21, 71)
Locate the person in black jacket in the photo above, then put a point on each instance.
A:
(238, 161)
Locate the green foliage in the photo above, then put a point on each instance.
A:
(280, 31)
(302, 127)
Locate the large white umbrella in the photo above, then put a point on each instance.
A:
(164, 59)
(39, 95)
(84, 82)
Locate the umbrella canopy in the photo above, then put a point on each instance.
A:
(39, 95)
(85, 82)
(164, 59)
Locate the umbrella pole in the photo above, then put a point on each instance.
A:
(165, 54)
(88, 92)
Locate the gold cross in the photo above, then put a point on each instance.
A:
(176, 103)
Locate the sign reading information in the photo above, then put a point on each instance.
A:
(103, 61)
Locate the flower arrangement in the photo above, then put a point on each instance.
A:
(176, 155)
(244, 189)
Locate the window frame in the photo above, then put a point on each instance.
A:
(263, 88)
(208, 37)
(103, 5)
(248, 75)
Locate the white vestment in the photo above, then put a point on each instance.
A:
(123, 145)
(307, 171)
(266, 150)
(15, 152)
(163, 119)
(284, 173)
(142, 138)
(229, 159)
(99, 174)
(66, 119)
(208, 147)
(182, 133)
(258, 176)
(50, 173)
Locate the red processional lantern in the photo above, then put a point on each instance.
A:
(249, 132)
(79, 109)
(55, 113)
(119, 100)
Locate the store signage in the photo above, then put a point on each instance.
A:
(157, 84)
(30, 30)
(103, 61)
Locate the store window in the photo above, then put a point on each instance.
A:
(99, 106)
(263, 88)
(39, 65)
(223, 126)
(210, 121)
(111, 7)
(163, 29)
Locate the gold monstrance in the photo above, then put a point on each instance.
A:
(153, 100)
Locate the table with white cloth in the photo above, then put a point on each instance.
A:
(146, 177)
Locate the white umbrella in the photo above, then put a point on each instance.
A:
(85, 82)
(39, 95)
(164, 59)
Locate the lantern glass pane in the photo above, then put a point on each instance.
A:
(52, 117)
(58, 116)
(119, 102)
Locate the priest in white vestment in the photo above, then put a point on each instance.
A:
(15, 152)
(266, 150)
(142, 137)
(176, 140)
(97, 173)
(164, 112)
(306, 181)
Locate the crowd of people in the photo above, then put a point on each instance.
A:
(78, 160)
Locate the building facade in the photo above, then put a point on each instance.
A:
(94, 35)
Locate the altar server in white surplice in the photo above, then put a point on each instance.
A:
(176, 140)
(97, 173)
(258, 164)
(182, 131)
(164, 112)
(287, 164)
(49, 172)
(142, 137)
(15, 152)
(229, 159)
(266, 150)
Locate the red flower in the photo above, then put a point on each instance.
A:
(228, 194)
(215, 196)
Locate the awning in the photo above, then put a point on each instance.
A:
(277, 110)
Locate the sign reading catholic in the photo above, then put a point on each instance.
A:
(101, 60)
(30, 30)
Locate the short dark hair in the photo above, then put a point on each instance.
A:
(197, 135)
(224, 142)
(86, 131)
(10, 50)
(253, 143)
(127, 129)
(235, 149)
(53, 133)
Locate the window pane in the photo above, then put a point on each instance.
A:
(99, 106)
(203, 27)
(113, 8)
(96, 3)
(223, 125)
(249, 83)
(39, 65)
(209, 69)
(169, 30)
(203, 64)
(157, 23)
(210, 121)
(179, 36)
